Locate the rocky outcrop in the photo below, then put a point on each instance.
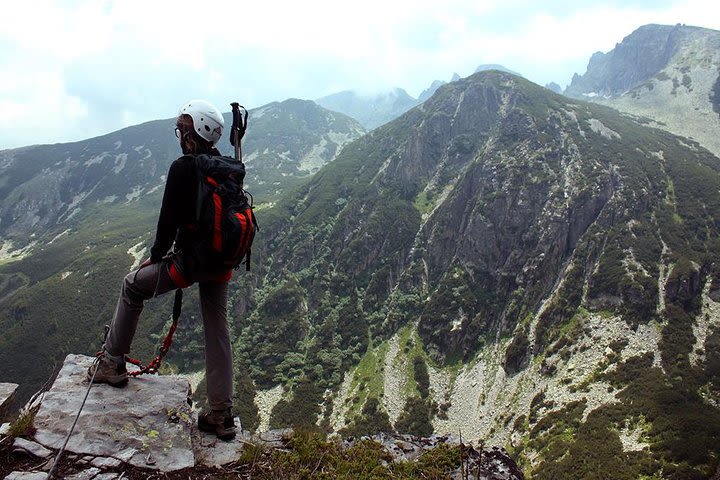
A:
(477, 463)
(146, 424)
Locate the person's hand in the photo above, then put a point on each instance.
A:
(146, 263)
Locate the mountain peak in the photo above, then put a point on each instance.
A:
(638, 57)
(495, 66)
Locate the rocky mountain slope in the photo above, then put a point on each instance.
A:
(44, 187)
(75, 218)
(667, 74)
(507, 263)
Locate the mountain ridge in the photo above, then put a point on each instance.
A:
(487, 235)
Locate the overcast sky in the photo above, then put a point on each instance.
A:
(76, 69)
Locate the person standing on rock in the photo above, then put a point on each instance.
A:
(198, 129)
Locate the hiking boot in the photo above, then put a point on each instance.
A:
(109, 371)
(219, 422)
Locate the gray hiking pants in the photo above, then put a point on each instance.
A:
(155, 279)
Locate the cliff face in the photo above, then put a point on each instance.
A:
(666, 75)
(492, 260)
(638, 57)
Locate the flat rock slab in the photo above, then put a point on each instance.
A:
(31, 447)
(26, 476)
(7, 394)
(212, 452)
(146, 424)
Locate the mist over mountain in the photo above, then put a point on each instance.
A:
(371, 110)
(494, 66)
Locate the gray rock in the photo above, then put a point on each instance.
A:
(125, 455)
(31, 447)
(149, 418)
(4, 429)
(212, 452)
(105, 462)
(26, 476)
(85, 474)
(7, 395)
(107, 476)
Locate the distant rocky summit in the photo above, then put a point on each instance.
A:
(665, 75)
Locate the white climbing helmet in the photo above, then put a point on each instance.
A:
(208, 122)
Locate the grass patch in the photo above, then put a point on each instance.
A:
(368, 379)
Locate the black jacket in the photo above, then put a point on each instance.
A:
(178, 207)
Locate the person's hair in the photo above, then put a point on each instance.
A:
(195, 142)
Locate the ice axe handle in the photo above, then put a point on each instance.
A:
(240, 116)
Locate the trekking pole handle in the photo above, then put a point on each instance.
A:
(239, 125)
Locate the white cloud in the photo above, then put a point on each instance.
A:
(73, 69)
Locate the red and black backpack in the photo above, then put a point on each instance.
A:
(225, 219)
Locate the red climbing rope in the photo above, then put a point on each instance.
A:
(154, 364)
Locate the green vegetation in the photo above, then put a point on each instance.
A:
(415, 418)
(715, 96)
(372, 420)
(244, 399)
(681, 432)
(23, 425)
(368, 378)
(274, 330)
(311, 456)
(301, 411)
(422, 379)
(518, 352)
(454, 300)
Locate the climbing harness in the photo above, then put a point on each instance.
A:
(154, 364)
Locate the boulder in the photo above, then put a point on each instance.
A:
(32, 448)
